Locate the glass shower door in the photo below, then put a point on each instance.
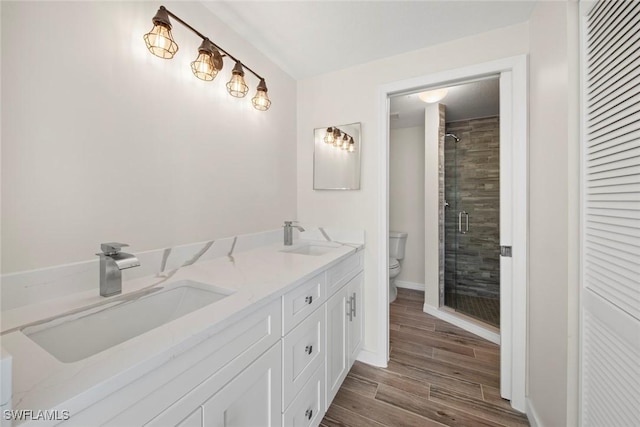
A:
(472, 238)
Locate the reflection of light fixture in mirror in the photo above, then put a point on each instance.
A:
(351, 145)
(336, 137)
(433, 95)
(328, 137)
(345, 142)
(261, 100)
(339, 139)
(209, 62)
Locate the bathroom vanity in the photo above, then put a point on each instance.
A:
(271, 351)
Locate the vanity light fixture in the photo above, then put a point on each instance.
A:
(261, 100)
(160, 40)
(236, 86)
(209, 61)
(339, 139)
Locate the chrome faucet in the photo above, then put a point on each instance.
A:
(112, 261)
(288, 232)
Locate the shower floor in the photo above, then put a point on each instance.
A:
(484, 309)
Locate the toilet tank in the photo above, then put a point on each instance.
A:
(397, 241)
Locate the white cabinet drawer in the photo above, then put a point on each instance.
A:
(302, 301)
(303, 352)
(307, 409)
(344, 271)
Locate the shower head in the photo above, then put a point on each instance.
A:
(452, 136)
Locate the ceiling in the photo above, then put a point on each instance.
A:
(463, 102)
(308, 38)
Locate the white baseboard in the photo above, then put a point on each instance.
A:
(534, 419)
(410, 285)
(371, 358)
(468, 326)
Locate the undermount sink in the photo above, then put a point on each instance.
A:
(89, 332)
(313, 248)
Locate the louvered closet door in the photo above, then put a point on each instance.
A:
(610, 297)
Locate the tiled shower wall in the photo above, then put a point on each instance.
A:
(478, 180)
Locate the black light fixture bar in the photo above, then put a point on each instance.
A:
(199, 34)
(208, 63)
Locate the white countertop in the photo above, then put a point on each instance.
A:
(41, 382)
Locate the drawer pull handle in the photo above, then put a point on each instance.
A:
(349, 304)
(308, 349)
(309, 414)
(308, 299)
(353, 305)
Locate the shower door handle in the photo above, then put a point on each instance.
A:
(460, 222)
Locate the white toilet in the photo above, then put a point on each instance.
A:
(397, 241)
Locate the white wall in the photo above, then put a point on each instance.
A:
(356, 88)
(102, 141)
(553, 218)
(433, 129)
(406, 197)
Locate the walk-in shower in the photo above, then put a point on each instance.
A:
(472, 218)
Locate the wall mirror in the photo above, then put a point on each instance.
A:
(336, 157)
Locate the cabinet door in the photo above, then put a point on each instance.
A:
(170, 393)
(253, 398)
(337, 368)
(355, 318)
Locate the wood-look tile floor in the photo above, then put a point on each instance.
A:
(438, 375)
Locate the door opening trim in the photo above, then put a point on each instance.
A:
(514, 99)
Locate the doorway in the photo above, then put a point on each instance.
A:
(464, 133)
(513, 207)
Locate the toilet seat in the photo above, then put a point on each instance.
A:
(397, 241)
(394, 268)
(394, 271)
